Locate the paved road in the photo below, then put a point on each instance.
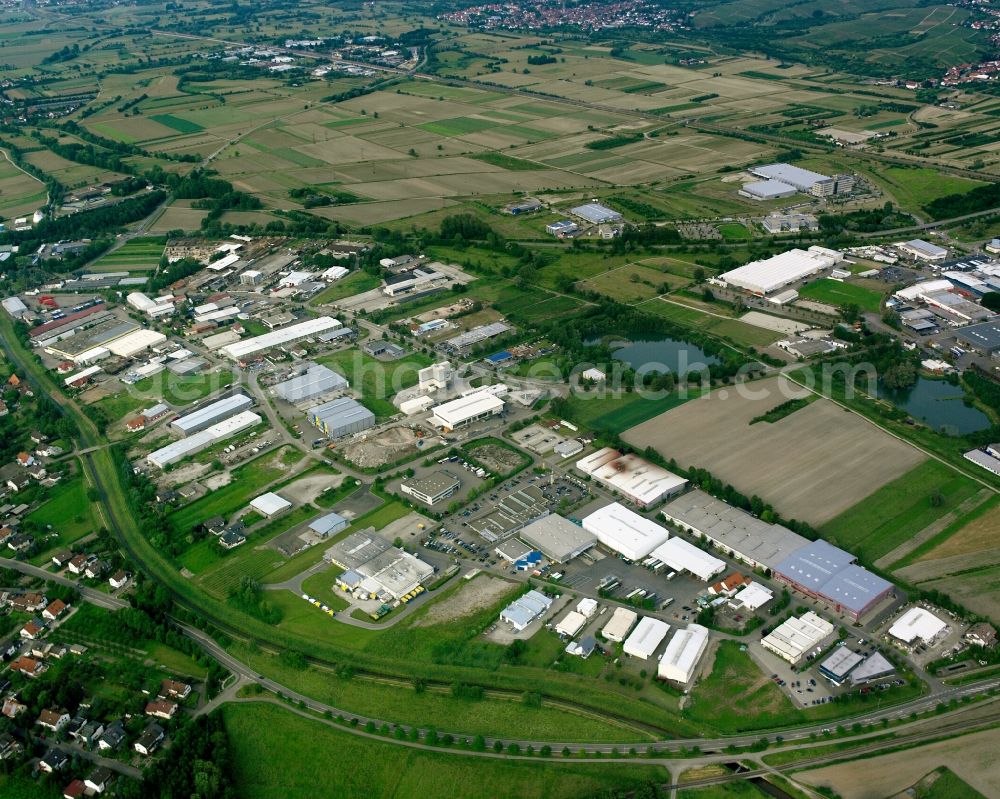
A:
(99, 598)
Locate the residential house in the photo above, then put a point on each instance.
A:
(113, 737)
(32, 630)
(61, 558)
(55, 609)
(981, 634)
(13, 477)
(25, 459)
(31, 602)
(80, 562)
(12, 707)
(29, 667)
(52, 719)
(161, 709)
(8, 648)
(89, 733)
(75, 790)
(150, 740)
(95, 570)
(729, 585)
(216, 525)
(119, 579)
(10, 747)
(171, 689)
(20, 542)
(53, 760)
(99, 779)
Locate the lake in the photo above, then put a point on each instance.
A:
(661, 355)
(938, 404)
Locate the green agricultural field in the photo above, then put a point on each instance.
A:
(899, 510)
(180, 391)
(263, 736)
(378, 380)
(834, 292)
(914, 188)
(616, 414)
(401, 703)
(733, 231)
(459, 126)
(69, 513)
(737, 682)
(247, 481)
(355, 283)
(139, 254)
(948, 785)
(178, 123)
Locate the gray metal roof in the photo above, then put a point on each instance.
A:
(735, 529)
(316, 380)
(814, 564)
(984, 336)
(330, 521)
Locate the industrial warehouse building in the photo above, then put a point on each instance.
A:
(270, 504)
(558, 539)
(328, 524)
(203, 439)
(292, 334)
(314, 382)
(618, 626)
(645, 638)
(770, 274)
(747, 538)
(826, 572)
(465, 410)
(875, 667)
(211, 414)
(524, 610)
(637, 479)
(752, 597)
(596, 214)
(433, 488)
(385, 572)
(917, 625)
(923, 250)
(570, 624)
(983, 338)
(804, 180)
(794, 638)
(681, 657)
(767, 190)
(836, 667)
(135, 342)
(624, 531)
(341, 417)
(680, 555)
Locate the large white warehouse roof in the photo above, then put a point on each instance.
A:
(771, 274)
(466, 409)
(636, 478)
(793, 638)
(205, 438)
(679, 555)
(619, 625)
(135, 342)
(625, 531)
(917, 623)
(276, 338)
(647, 635)
(682, 654)
(212, 412)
